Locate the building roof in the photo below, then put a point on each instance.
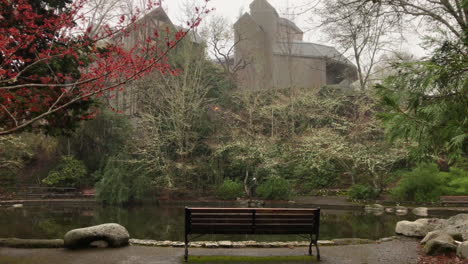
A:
(262, 5)
(308, 49)
(158, 14)
(288, 23)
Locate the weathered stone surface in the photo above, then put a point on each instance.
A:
(114, 234)
(458, 224)
(352, 241)
(420, 211)
(437, 233)
(211, 245)
(462, 250)
(440, 245)
(420, 227)
(387, 239)
(326, 243)
(225, 244)
(390, 210)
(17, 206)
(401, 210)
(178, 244)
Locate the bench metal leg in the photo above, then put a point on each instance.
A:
(186, 249)
(310, 248)
(318, 251)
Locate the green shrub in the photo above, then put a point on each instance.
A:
(229, 190)
(423, 184)
(275, 188)
(122, 182)
(362, 192)
(458, 184)
(70, 172)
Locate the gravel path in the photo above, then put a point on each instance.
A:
(394, 252)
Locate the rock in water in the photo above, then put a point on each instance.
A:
(114, 234)
(401, 210)
(420, 211)
(420, 227)
(462, 250)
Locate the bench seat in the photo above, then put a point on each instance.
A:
(278, 221)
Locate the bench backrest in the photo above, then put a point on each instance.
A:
(252, 221)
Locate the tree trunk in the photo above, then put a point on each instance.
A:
(246, 183)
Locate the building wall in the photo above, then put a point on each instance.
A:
(256, 50)
(286, 34)
(300, 72)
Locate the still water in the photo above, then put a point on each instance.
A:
(166, 222)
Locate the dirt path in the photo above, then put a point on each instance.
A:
(394, 252)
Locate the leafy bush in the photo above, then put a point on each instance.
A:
(98, 139)
(426, 184)
(362, 192)
(275, 188)
(229, 190)
(70, 172)
(122, 183)
(458, 184)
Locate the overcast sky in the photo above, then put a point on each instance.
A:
(232, 8)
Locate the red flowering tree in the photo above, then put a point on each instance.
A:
(52, 70)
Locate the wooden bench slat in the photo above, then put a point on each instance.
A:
(250, 210)
(248, 221)
(258, 221)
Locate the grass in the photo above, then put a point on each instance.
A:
(246, 259)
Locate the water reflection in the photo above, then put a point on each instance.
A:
(166, 223)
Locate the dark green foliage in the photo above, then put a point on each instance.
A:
(70, 172)
(98, 139)
(426, 184)
(427, 103)
(362, 192)
(123, 182)
(230, 190)
(275, 188)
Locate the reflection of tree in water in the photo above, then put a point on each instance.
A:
(146, 222)
(167, 223)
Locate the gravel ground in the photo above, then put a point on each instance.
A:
(393, 252)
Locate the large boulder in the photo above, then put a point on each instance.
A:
(114, 234)
(420, 227)
(440, 245)
(458, 224)
(462, 250)
(437, 233)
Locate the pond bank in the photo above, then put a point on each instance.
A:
(402, 251)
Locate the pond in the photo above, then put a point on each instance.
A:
(167, 222)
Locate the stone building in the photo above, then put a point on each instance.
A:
(276, 56)
(128, 100)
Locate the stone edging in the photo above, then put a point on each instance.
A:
(255, 244)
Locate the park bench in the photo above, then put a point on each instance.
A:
(254, 221)
(454, 200)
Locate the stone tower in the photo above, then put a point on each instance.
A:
(266, 17)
